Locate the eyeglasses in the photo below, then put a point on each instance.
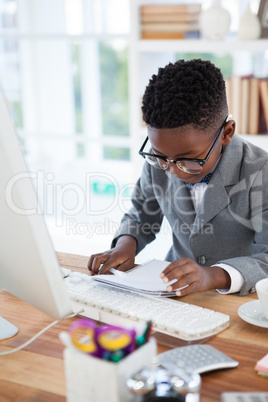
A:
(191, 166)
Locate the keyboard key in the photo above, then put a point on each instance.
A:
(197, 358)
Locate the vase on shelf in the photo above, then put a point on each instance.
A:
(215, 21)
(249, 26)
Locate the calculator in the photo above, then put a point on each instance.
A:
(196, 358)
(244, 397)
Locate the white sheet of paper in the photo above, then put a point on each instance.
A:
(143, 278)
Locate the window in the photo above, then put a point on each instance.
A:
(65, 75)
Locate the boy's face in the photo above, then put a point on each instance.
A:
(187, 142)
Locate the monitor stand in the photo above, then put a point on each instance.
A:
(7, 330)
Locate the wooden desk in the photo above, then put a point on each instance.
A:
(37, 374)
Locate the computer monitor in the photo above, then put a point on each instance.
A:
(29, 268)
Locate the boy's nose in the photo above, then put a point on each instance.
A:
(175, 171)
(173, 168)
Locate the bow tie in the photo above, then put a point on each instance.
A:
(204, 180)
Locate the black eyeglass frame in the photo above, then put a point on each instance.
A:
(201, 162)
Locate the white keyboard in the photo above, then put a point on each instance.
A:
(120, 307)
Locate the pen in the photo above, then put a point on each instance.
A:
(114, 356)
(145, 336)
(148, 330)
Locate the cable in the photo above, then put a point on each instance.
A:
(9, 352)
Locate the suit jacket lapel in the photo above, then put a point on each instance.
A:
(226, 174)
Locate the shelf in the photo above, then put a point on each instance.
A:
(202, 45)
(247, 56)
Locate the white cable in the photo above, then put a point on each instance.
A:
(9, 352)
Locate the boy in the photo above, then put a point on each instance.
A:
(210, 185)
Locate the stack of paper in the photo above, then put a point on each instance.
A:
(143, 278)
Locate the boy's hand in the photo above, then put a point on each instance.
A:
(121, 257)
(196, 277)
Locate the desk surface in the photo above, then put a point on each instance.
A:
(36, 373)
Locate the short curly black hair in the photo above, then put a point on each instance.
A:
(185, 92)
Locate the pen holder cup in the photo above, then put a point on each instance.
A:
(91, 379)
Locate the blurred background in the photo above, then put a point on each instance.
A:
(67, 69)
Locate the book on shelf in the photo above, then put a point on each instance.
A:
(263, 87)
(247, 98)
(254, 107)
(170, 21)
(257, 124)
(245, 87)
(236, 99)
(162, 35)
(229, 94)
(171, 35)
(170, 8)
(262, 123)
(170, 17)
(240, 101)
(170, 26)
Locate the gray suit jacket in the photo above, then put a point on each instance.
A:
(231, 225)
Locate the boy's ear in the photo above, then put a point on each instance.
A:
(229, 131)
